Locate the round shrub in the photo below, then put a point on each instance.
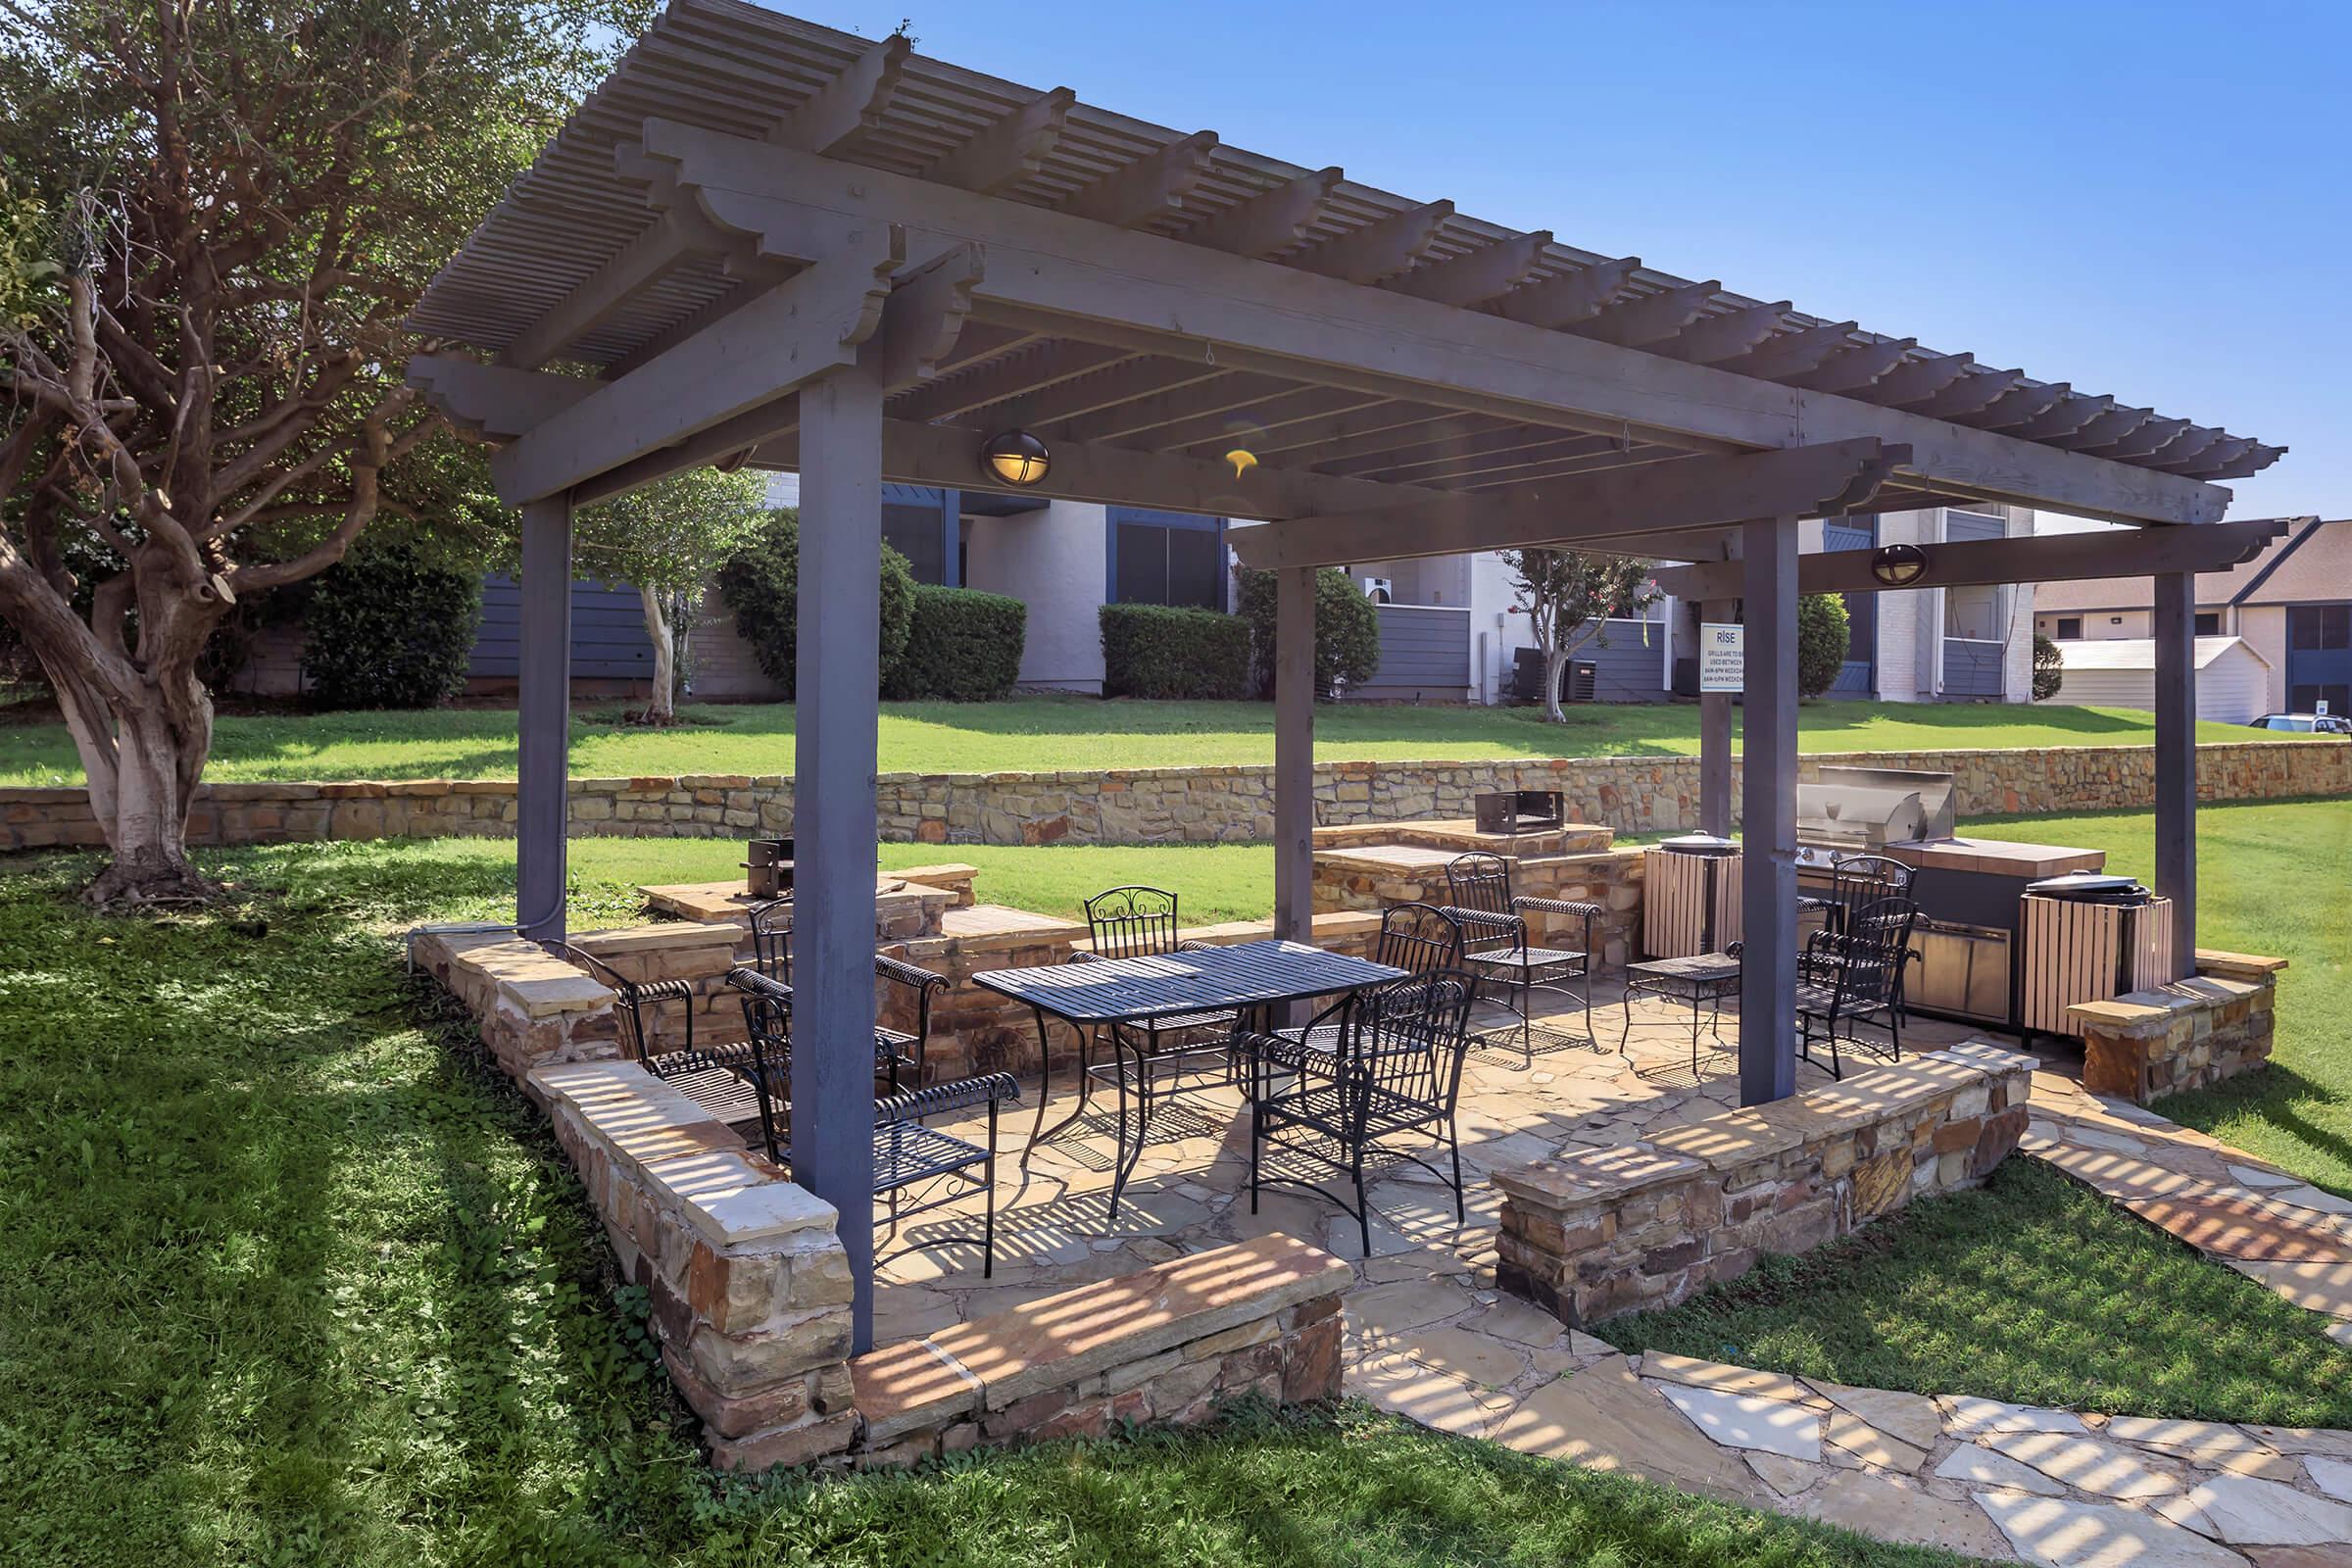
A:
(1822, 635)
(1347, 628)
(2049, 668)
(1161, 651)
(384, 629)
(761, 584)
(965, 647)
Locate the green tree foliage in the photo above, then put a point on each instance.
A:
(1347, 629)
(761, 584)
(384, 628)
(1569, 598)
(1822, 635)
(1165, 652)
(216, 221)
(666, 540)
(2049, 668)
(964, 647)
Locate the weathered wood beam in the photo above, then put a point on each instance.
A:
(1856, 367)
(1052, 363)
(843, 110)
(1146, 293)
(1713, 339)
(2149, 438)
(812, 322)
(1792, 352)
(1970, 394)
(2252, 460)
(2014, 410)
(1059, 411)
(1151, 187)
(1008, 151)
(2109, 426)
(2063, 418)
(1571, 297)
(672, 238)
(1481, 274)
(1448, 447)
(1920, 380)
(1638, 322)
(1380, 249)
(1681, 494)
(1353, 426)
(2035, 557)
(2193, 442)
(494, 402)
(1258, 425)
(1270, 222)
(1205, 390)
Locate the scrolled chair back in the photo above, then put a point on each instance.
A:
(1132, 922)
(1418, 938)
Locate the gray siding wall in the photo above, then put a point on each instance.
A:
(1972, 668)
(608, 632)
(1423, 648)
(1626, 670)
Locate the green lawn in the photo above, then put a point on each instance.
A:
(289, 1279)
(1047, 733)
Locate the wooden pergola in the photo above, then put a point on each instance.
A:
(764, 242)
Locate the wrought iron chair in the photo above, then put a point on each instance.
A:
(894, 1050)
(1398, 1075)
(1495, 946)
(1418, 938)
(1852, 975)
(1859, 881)
(911, 1156)
(1140, 922)
(634, 999)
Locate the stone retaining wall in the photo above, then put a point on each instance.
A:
(1163, 806)
(1608, 1231)
(2145, 1045)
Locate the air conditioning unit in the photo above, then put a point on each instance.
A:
(1380, 589)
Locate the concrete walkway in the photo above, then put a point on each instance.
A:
(1429, 1338)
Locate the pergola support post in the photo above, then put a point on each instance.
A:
(1294, 752)
(543, 719)
(837, 679)
(1768, 815)
(1714, 742)
(2176, 623)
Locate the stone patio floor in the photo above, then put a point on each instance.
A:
(1428, 1336)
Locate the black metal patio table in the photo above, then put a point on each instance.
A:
(1115, 994)
(1702, 977)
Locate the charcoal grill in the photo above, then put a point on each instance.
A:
(767, 874)
(1515, 811)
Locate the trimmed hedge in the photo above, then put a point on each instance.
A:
(386, 630)
(1187, 655)
(1821, 642)
(965, 647)
(761, 584)
(1347, 628)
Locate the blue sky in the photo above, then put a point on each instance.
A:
(2151, 200)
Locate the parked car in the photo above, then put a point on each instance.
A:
(2305, 723)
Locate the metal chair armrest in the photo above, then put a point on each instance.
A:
(1190, 946)
(1085, 956)
(963, 1094)
(1504, 923)
(898, 971)
(1576, 906)
(1272, 1050)
(744, 978)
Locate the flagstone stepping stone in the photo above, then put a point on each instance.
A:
(1606, 1418)
(1466, 1353)
(2311, 1198)
(2306, 1440)
(2332, 1475)
(1787, 1477)
(2301, 1557)
(1966, 1415)
(1747, 1421)
(2316, 1287)
(1389, 1310)
(2092, 1138)
(1889, 1511)
(1910, 1418)
(1434, 1399)
(1719, 1376)
(2248, 1512)
(2231, 1227)
(2085, 1464)
(1866, 1442)
(2215, 1444)
(1982, 1467)
(2060, 1534)
(2261, 1176)
(1520, 1322)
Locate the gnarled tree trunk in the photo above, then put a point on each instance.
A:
(661, 703)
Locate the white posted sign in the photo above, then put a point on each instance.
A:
(1722, 657)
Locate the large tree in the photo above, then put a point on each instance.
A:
(216, 216)
(666, 541)
(1568, 598)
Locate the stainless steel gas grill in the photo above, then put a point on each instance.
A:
(1861, 811)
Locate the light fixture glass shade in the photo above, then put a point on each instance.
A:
(1898, 565)
(1016, 457)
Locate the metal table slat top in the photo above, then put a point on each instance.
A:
(1247, 975)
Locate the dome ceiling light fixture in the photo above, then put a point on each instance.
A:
(1016, 458)
(1898, 565)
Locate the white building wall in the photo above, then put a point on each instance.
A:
(1056, 561)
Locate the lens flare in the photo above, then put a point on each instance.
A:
(1242, 460)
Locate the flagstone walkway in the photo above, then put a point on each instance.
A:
(1429, 1337)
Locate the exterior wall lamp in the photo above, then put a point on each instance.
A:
(1898, 565)
(1016, 458)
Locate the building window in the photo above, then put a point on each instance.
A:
(2307, 698)
(1163, 557)
(2319, 628)
(918, 533)
(2069, 629)
(2209, 623)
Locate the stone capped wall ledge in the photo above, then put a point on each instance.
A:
(2219, 1022)
(1167, 1343)
(1603, 1232)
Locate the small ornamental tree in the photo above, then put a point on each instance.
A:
(666, 540)
(761, 584)
(2049, 668)
(1822, 635)
(217, 220)
(1569, 599)
(1347, 628)
(387, 628)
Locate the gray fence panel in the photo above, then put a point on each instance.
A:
(1971, 667)
(608, 632)
(1425, 646)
